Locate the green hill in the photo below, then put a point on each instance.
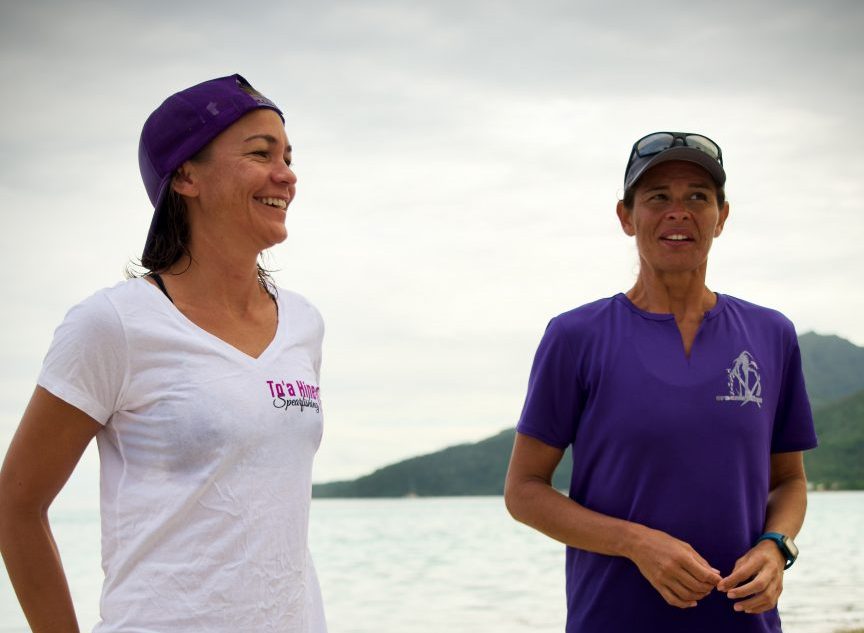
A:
(833, 367)
(465, 469)
(839, 460)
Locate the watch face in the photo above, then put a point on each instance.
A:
(790, 545)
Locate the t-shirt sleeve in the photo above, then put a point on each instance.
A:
(86, 363)
(793, 424)
(554, 400)
(298, 307)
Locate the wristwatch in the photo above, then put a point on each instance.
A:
(784, 543)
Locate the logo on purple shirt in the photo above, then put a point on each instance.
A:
(745, 384)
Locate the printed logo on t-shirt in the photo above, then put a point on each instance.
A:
(287, 394)
(743, 380)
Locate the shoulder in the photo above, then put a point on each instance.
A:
(572, 335)
(87, 362)
(100, 307)
(300, 313)
(99, 319)
(754, 310)
(104, 312)
(133, 290)
(757, 317)
(587, 318)
(296, 302)
(587, 313)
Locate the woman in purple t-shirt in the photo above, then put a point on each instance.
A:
(687, 417)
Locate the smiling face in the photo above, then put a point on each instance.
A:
(675, 217)
(240, 187)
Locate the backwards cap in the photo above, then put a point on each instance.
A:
(183, 125)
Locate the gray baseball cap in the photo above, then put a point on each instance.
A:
(660, 147)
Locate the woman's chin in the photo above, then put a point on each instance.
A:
(276, 237)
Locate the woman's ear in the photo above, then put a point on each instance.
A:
(183, 181)
(724, 215)
(626, 219)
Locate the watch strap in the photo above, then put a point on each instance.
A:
(780, 542)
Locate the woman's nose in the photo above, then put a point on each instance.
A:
(677, 210)
(285, 174)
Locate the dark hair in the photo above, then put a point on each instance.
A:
(630, 196)
(171, 239)
(171, 242)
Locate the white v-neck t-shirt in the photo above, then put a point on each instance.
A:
(206, 456)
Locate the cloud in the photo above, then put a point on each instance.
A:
(459, 164)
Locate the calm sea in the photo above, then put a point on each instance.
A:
(462, 565)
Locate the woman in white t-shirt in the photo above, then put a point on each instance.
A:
(200, 382)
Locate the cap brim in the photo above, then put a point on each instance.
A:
(687, 154)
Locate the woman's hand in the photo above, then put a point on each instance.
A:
(761, 572)
(758, 575)
(678, 573)
(672, 566)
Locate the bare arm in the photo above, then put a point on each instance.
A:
(49, 442)
(672, 566)
(761, 568)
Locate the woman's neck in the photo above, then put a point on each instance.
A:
(683, 294)
(216, 281)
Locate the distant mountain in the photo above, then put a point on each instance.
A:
(833, 367)
(466, 469)
(839, 460)
(834, 370)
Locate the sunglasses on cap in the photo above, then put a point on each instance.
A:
(661, 141)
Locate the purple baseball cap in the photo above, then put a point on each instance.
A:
(180, 128)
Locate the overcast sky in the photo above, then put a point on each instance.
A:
(458, 163)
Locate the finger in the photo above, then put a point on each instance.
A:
(699, 569)
(758, 601)
(685, 593)
(767, 579)
(744, 570)
(756, 604)
(676, 601)
(675, 594)
(756, 586)
(692, 587)
(705, 565)
(702, 576)
(682, 583)
(700, 582)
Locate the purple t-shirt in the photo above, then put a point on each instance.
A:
(678, 444)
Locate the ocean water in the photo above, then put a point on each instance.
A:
(463, 565)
